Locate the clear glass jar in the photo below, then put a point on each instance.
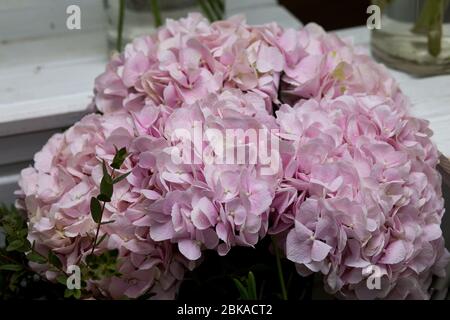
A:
(139, 19)
(414, 36)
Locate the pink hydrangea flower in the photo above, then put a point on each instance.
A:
(321, 64)
(189, 59)
(56, 193)
(203, 201)
(360, 193)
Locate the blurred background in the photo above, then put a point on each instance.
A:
(331, 15)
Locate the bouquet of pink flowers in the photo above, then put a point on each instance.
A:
(218, 135)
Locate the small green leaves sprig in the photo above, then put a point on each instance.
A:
(16, 252)
(103, 265)
(107, 183)
(213, 9)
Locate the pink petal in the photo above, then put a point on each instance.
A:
(319, 250)
(190, 249)
(161, 232)
(298, 250)
(395, 253)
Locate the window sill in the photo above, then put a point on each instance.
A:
(43, 88)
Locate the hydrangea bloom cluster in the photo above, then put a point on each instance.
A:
(57, 192)
(353, 187)
(188, 59)
(361, 190)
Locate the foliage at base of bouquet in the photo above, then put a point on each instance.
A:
(16, 251)
(18, 280)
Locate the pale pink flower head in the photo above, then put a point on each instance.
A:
(187, 59)
(56, 193)
(359, 196)
(322, 64)
(210, 201)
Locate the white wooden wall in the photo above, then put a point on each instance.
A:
(46, 76)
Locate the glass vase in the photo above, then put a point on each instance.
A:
(414, 36)
(139, 18)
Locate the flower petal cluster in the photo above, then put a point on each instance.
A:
(360, 194)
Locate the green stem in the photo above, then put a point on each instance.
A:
(206, 10)
(215, 8)
(435, 37)
(94, 243)
(430, 23)
(221, 4)
(280, 270)
(156, 13)
(97, 231)
(120, 25)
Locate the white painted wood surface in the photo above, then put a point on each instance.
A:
(26, 19)
(46, 83)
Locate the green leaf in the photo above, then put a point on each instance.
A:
(35, 257)
(113, 253)
(101, 266)
(15, 279)
(22, 233)
(54, 260)
(252, 286)
(106, 186)
(120, 178)
(11, 267)
(16, 244)
(68, 293)
(242, 290)
(103, 198)
(96, 210)
(90, 259)
(76, 294)
(119, 158)
(8, 229)
(62, 279)
(25, 247)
